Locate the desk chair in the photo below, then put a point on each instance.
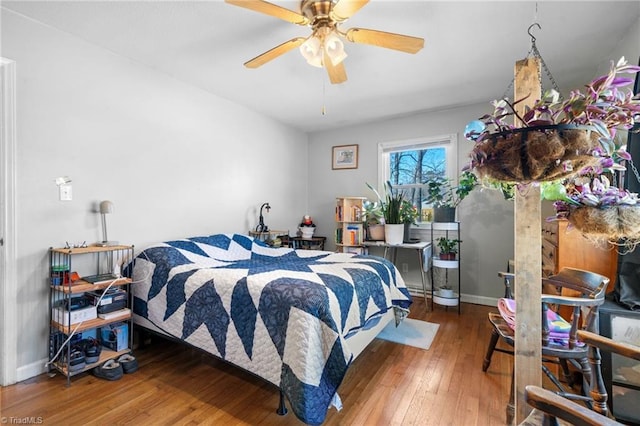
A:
(549, 407)
(562, 351)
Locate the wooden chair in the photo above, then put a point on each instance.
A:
(591, 288)
(550, 407)
(509, 279)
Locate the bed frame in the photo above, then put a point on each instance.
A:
(357, 343)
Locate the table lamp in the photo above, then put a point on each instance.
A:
(106, 207)
(261, 226)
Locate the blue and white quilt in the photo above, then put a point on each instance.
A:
(282, 314)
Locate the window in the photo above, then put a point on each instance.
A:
(410, 163)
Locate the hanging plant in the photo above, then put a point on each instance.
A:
(556, 139)
(599, 210)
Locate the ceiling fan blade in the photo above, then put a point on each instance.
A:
(400, 42)
(274, 53)
(271, 10)
(337, 73)
(345, 9)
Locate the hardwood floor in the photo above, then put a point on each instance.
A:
(388, 384)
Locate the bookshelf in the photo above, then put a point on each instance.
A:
(349, 233)
(80, 313)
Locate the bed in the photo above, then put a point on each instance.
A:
(295, 318)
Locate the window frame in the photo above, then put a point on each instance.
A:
(448, 141)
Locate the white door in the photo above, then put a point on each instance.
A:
(8, 278)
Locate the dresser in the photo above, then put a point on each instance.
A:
(567, 247)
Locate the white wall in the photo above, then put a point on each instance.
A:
(628, 46)
(486, 219)
(176, 161)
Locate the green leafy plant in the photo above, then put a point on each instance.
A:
(391, 204)
(446, 245)
(372, 211)
(408, 212)
(442, 193)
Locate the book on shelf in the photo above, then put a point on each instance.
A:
(355, 234)
(355, 214)
(115, 314)
(355, 250)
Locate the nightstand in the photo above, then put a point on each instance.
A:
(313, 243)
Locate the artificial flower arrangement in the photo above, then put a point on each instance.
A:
(307, 227)
(306, 221)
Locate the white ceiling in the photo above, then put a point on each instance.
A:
(469, 55)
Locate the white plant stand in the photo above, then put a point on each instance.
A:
(445, 267)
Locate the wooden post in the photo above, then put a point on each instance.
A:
(528, 256)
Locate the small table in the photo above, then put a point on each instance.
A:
(313, 243)
(269, 237)
(419, 247)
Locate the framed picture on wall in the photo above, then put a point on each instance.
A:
(344, 157)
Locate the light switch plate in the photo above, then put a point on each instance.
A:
(65, 193)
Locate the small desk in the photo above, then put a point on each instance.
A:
(420, 247)
(313, 243)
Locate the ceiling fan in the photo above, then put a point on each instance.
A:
(324, 47)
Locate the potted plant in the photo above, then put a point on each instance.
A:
(554, 138)
(409, 214)
(445, 197)
(391, 211)
(596, 208)
(447, 248)
(373, 215)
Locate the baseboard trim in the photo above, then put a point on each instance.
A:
(479, 300)
(31, 370)
(466, 298)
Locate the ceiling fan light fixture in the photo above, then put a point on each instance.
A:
(325, 47)
(334, 48)
(315, 46)
(311, 51)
